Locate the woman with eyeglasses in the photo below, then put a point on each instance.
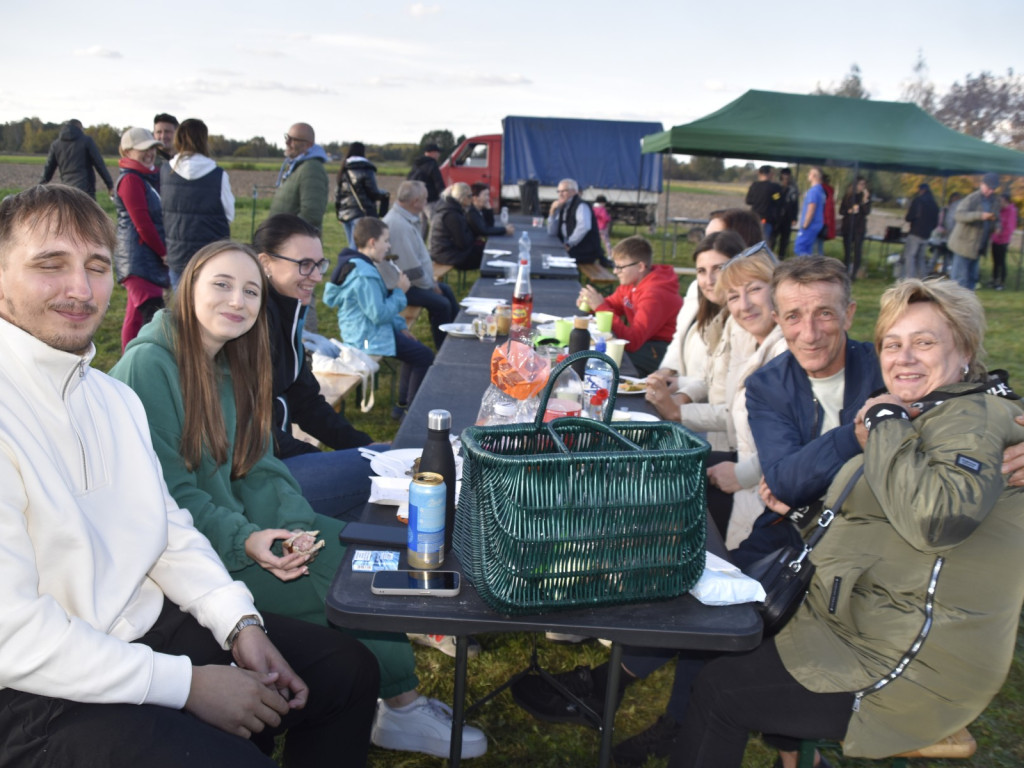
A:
(369, 313)
(334, 482)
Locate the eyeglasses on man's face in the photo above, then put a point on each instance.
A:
(289, 139)
(306, 266)
(620, 267)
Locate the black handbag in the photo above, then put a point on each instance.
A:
(786, 573)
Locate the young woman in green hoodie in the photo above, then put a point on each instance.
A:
(203, 373)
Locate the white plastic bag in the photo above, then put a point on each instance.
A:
(353, 362)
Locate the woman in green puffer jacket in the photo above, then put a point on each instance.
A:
(909, 626)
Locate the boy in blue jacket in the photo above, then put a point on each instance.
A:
(369, 312)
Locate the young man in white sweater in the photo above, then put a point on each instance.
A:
(123, 639)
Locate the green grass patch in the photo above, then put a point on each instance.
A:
(23, 159)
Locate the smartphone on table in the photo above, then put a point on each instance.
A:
(416, 583)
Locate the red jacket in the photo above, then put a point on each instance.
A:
(646, 311)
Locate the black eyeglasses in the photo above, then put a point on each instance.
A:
(294, 140)
(306, 266)
(620, 267)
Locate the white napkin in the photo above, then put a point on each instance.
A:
(497, 252)
(722, 583)
(392, 491)
(477, 301)
(500, 264)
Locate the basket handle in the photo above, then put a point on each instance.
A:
(557, 371)
(599, 425)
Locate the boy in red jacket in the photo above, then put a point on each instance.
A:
(645, 303)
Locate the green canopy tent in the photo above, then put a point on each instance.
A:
(835, 131)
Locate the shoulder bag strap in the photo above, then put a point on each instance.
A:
(825, 520)
(355, 192)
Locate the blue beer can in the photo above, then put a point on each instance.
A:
(427, 496)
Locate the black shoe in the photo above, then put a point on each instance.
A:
(657, 741)
(542, 700)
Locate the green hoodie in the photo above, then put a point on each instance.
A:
(227, 511)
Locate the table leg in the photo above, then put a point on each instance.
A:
(610, 702)
(459, 699)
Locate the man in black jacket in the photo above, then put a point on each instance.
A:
(923, 217)
(790, 203)
(426, 169)
(765, 198)
(75, 155)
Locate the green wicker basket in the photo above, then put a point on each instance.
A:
(578, 512)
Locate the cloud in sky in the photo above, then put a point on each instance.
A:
(445, 80)
(422, 9)
(98, 52)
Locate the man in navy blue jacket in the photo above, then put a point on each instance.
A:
(803, 405)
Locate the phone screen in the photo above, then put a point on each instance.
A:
(416, 580)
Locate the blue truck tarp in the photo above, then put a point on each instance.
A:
(597, 153)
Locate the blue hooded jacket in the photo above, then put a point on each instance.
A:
(368, 313)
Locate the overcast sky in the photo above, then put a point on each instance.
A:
(390, 71)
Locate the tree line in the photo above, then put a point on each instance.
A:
(33, 136)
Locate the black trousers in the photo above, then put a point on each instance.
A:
(734, 695)
(332, 730)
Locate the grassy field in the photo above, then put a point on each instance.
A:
(514, 736)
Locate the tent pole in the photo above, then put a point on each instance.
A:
(639, 186)
(852, 229)
(668, 194)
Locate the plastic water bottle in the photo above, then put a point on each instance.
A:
(524, 246)
(439, 457)
(566, 395)
(597, 376)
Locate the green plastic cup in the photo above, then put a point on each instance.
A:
(562, 329)
(604, 321)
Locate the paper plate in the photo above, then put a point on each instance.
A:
(623, 415)
(458, 330)
(398, 463)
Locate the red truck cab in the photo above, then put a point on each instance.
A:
(476, 160)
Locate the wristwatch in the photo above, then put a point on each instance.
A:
(252, 620)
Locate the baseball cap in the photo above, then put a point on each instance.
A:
(138, 138)
(431, 148)
(990, 180)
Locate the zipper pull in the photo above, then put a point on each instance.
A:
(856, 701)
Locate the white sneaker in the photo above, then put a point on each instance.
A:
(446, 644)
(423, 726)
